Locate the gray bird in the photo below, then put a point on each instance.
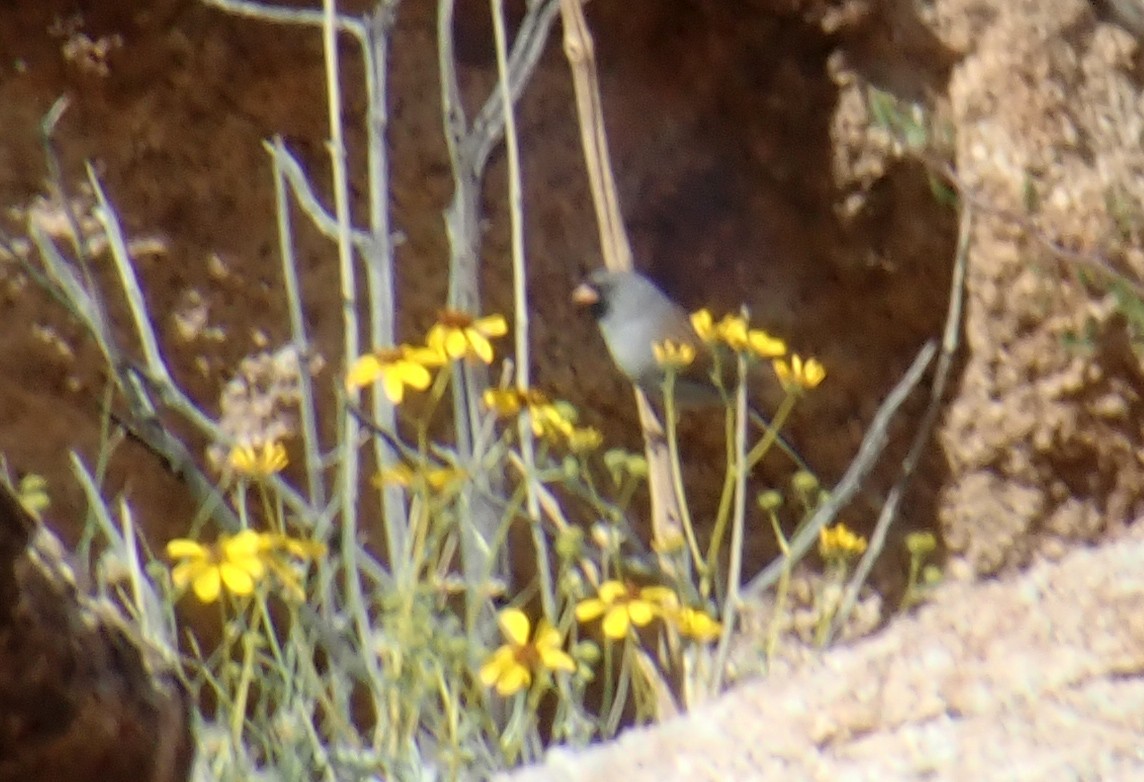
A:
(633, 314)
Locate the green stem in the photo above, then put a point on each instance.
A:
(723, 515)
(677, 469)
(772, 435)
(782, 590)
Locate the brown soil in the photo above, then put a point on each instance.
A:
(721, 133)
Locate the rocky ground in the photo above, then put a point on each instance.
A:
(1033, 677)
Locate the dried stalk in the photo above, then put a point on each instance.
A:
(868, 452)
(950, 341)
(469, 148)
(615, 247)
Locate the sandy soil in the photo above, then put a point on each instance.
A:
(1034, 677)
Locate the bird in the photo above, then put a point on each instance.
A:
(633, 314)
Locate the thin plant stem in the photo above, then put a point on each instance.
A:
(868, 452)
(462, 228)
(670, 423)
(950, 341)
(774, 631)
(735, 567)
(726, 497)
(379, 272)
(156, 366)
(772, 434)
(348, 443)
(293, 291)
(279, 14)
(520, 309)
(623, 682)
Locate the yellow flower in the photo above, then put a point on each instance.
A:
(556, 423)
(675, 355)
(234, 562)
(512, 667)
(621, 463)
(734, 332)
(506, 402)
(921, 544)
(762, 345)
(284, 553)
(396, 368)
(459, 335)
(584, 438)
(696, 624)
(32, 492)
(623, 605)
(258, 462)
(839, 542)
(551, 421)
(799, 375)
(432, 477)
(704, 325)
(295, 547)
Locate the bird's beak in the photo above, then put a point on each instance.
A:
(585, 295)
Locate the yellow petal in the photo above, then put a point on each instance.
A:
(238, 580)
(393, 387)
(254, 565)
(556, 659)
(587, 610)
(491, 325)
(611, 591)
(616, 623)
(641, 612)
(456, 346)
(813, 373)
(782, 372)
(363, 372)
(182, 548)
(495, 666)
(243, 458)
(515, 626)
(273, 458)
(207, 585)
(703, 324)
(514, 679)
(660, 595)
(426, 357)
(185, 572)
(764, 345)
(435, 339)
(481, 346)
(242, 543)
(546, 635)
(733, 329)
(414, 375)
(502, 401)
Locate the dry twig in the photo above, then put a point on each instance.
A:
(616, 249)
(868, 452)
